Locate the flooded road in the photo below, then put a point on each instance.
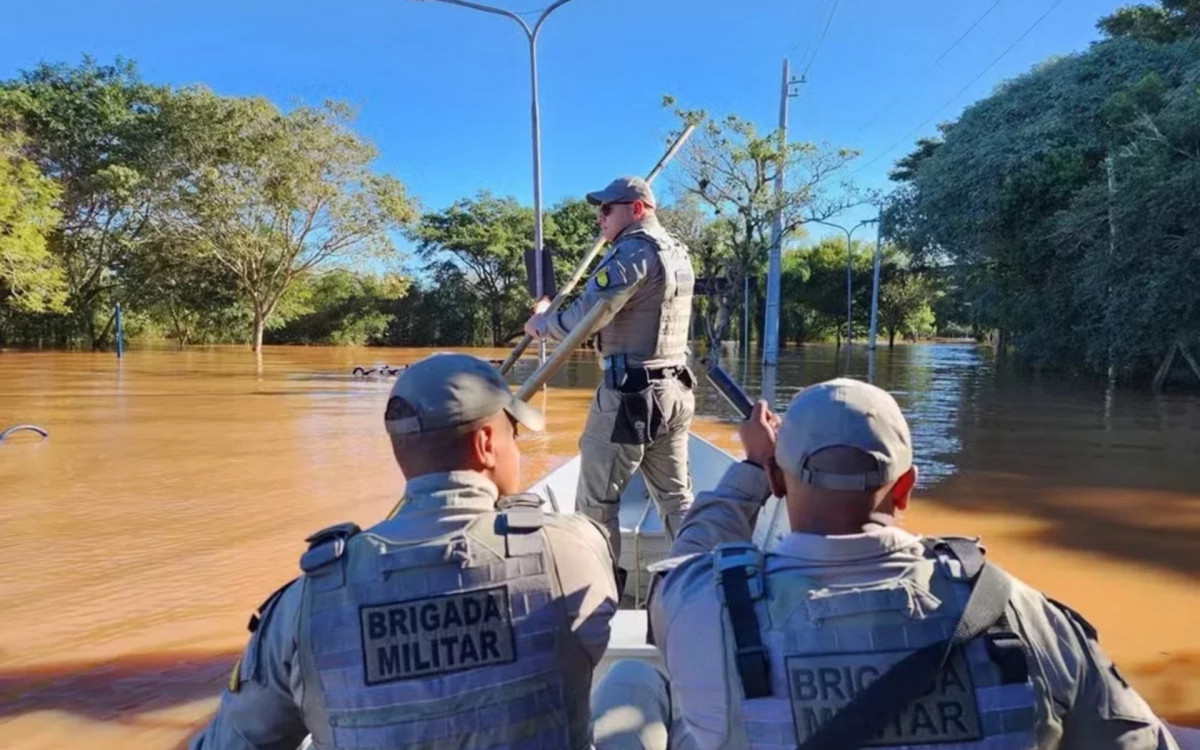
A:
(176, 488)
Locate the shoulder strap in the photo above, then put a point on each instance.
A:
(327, 545)
(520, 526)
(870, 711)
(739, 570)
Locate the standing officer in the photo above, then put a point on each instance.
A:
(467, 619)
(643, 411)
(852, 632)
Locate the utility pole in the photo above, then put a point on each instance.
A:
(875, 283)
(1112, 248)
(774, 269)
(775, 264)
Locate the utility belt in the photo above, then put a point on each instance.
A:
(642, 415)
(626, 378)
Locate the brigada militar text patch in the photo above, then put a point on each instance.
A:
(436, 635)
(945, 711)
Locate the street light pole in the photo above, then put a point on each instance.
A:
(532, 35)
(849, 278)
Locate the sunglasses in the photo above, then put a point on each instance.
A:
(607, 208)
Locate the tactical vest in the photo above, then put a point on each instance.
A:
(459, 641)
(818, 647)
(652, 328)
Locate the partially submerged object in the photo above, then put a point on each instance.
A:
(24, 428)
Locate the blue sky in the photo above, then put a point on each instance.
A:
(444, 91)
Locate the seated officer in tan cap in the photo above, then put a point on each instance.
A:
(644, 407)
(852, 632)
(468, 619)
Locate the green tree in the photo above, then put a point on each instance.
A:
(814, 289)
(344, 308)
(190, 299)
(95, 130)
(270, 196)
(484, 239)
(1016, 207)
(905, 305)
(731, 169)
(30, 279)
(478, 245)
(1169, 21)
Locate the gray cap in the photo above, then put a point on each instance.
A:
(623, 190)
(850, 413)
(450, 390)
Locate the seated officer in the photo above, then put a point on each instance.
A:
(467, 619)
(841, 636)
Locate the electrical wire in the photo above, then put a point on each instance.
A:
(896, 97)
(961, 91)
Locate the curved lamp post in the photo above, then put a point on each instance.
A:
(849, 280)
(531, 33)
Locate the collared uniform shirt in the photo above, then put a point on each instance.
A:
(1084, 703)
(264, 712)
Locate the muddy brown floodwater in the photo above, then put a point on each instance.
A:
(176, 488)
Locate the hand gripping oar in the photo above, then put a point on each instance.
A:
(591, 255)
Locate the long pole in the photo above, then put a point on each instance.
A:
(875, 283)
(581, 269)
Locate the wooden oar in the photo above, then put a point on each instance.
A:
(591, 255)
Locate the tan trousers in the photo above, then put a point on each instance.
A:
(606, 467)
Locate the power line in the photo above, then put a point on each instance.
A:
(821, 39)
(961, 91)
(968, 31)
(895, 98)
(796, 50)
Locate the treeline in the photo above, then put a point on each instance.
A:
(214, 219)
(1065, 207)
(193, 210)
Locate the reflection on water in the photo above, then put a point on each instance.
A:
(176, 489)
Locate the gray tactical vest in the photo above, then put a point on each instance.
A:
(459, 641)
(823, 645)
(652, 328)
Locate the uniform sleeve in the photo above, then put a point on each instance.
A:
(619, 275)
(260, 705)
(585, 568)
(725, 514)
(1088, 699)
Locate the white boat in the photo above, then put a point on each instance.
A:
(644, 540)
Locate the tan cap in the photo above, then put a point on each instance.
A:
(450, 390)
(850, 413)
(623, 190)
